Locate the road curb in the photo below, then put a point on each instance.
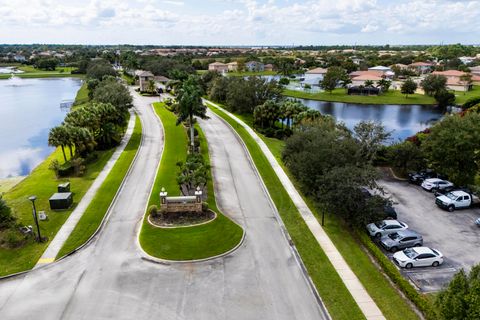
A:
(149, 258)
(100, 227)
(284, 230)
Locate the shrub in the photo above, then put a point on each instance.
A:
(11, 238)
(153, 211)
(204, 207)
(6, 218)
(471, 102)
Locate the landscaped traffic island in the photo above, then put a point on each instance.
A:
(184, 239)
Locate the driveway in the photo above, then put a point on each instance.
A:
(454, 234)
(108, 279)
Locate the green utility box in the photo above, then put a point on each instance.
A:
(64, 187)
(61, 200)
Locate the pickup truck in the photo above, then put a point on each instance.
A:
(456, 200)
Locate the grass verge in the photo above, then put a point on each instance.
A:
(334, 294)
(97, 209)
(392, 304)
(189, 243)
(339, 95)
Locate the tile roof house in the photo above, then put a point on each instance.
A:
(268, 67)
(422, 67)
(314, 76)
(359, 80)
(475, 70)
(454, 81)
(218, 67)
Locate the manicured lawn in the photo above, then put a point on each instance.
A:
(339, 95)
(334, 294)
(82, 95)
(387, 298)
(97, 209)
(31, 72)
(43, 183)
(462, 97)
(188, 243)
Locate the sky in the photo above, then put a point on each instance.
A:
(240, 22)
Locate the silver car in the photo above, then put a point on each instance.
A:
(401, 240)
(384, 227)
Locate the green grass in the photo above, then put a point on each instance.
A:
(196, 242)
(31, 72)
(97, 209)
(334, 294)
(8, 183)
(82, 95)
(43, 183)
(462, 97)
(385, 295)
(339, 95)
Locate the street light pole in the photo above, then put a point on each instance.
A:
(33, 198)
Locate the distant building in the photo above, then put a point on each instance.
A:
(421, 67)
(268, 67)
(254, 66)
(232, 66)
(19, 58)
(314, 76)
(467, 60)
(384, 71)
(359, 80)
(357, 61)
(454, 81)
(475, 70)
(218, 67)
(144, 78)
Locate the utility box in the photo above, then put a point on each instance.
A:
(64, 187)
(61, 200)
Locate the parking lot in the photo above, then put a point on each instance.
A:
(452, 233)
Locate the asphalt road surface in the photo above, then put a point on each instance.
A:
(109, 280)
(452, 233)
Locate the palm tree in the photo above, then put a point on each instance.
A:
(190, 104)
(151, 86)
(59, 137)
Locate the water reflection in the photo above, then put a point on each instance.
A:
(403, 120)
(29, 108)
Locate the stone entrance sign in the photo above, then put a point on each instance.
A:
(181, 204)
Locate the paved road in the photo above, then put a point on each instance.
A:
(109, 280)
(453, 233)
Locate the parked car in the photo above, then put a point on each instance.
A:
(420, 176)
(401, 239)
(385, 227)
(418, 257)
(435, 184)
(477, 222)
(456, 200)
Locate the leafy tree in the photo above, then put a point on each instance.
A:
(111, 91)
(92, 84)
(48, 64)
(286, 66)
(453, 147)
(408, 87)
(406, 155)
(267, 114)
(190, 104)
(331, 79)
(466, 80)
(98, 69)
(433, 84)
(471, 102)
(370, 136)
(444, 98)
(284, 81)
(461, 299)
(6, 217)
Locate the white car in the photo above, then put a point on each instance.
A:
(418, 257)
(385, 227)
(435, 184)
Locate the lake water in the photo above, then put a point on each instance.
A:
(403, 120)
(29, 108)
(7, 70)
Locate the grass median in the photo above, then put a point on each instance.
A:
(387, 297)
(186, 243)
(94, 214)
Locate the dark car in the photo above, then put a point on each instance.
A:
(418, 177)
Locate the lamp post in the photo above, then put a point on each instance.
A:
(33, 198)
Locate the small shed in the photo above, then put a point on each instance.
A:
(63, 187)
(61, 200)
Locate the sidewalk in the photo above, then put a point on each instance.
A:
(62, 235)
(354, 286)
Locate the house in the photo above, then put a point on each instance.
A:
(314, 76)
(144, 77)
(268, 67)
(357, 61)
(475, 70)
(254, 66)
(366, 76)
(421, 67)
(400, 66)
(232, 66)
(454, 81)
(467, 60)
(19, 58)
(385, 71)
(218, 67)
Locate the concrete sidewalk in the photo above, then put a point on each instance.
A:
(62, 235)
(354, 286)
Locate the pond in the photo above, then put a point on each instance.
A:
(403, 120)
(29, 109)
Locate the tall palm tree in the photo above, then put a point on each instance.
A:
(59, 137)
(190, 104)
